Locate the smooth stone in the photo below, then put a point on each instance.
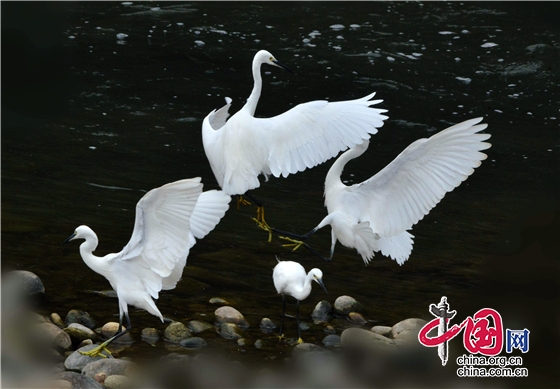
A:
(230, 315)
(55, 335)
(267, 325)
(332, 341)
(79, 332)
(36, 318)
(303, 326)
(358, 337)
(175, 358)
(117, 381)
(356, 318)
(408, 328)
(258, 343)
(57, 320)
(81, 317)
(85, 342)
(242, 342)
(343, 305)
(109, 366)
(322, 311)
(78, 381)
(100, 377)
(77, 361)
(150, 334)
(176, 332)
(30, 284)
(382, 330)
(60, 384)
(308, 347)
(197, 326)
(329, 329)
(109, 329)
(230, 331)
(193, 343)
(218, 300)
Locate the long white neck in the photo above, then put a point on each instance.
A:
(95, 263)
(302, 292)
(333, 176)
(251, 104)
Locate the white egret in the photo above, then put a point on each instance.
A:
(168, 219)
(243, 147)
(290, 278)
(375, 215)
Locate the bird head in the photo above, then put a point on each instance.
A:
(266, 57)
(318, 277)
(80, 233)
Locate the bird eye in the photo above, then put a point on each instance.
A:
(271, 59)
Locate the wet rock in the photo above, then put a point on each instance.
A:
(55, 335)
(196, 326)
(258, 343)
(322, 311)
(382, 330)
(30, 284)
(100, 377)
(117, 382)
(193, 343)
(175, 358)
(329, 329)
(538, 48)
(108, 366)
(57, 320)
(81, 317)
(79, 381)
(343, 305)
(79, 333)
(332, 341)
(407, 329)
(176, 332)
(356, 318)
(360, 338)
(77, 361)
(267, 325)
(109, 329)
(242, 342)
(308, 347)
(230, 315)
(230, 331)
(85, 342)
(150, 335)
(218, 300)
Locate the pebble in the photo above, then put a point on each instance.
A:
(303, 326)
(330, 329)
(150, 335)
(267, 325)
(360, 338)
(308, 347)
(230, 331)
(258, 343)
(30, 284)
(332, 341)
(117, 382)
(108, 366)
(109, 329)
(60, 384)
(382, 330)
(81, 317)
(230, 315)
(356, 318)
(242, 342)
(77, 361)
(218, 300)
(55, 335)
(322, 311)
(78, 380)
(176, 332)
(197, 326)
(79, 333)
(57, 320)
(193, 343)
(408, 328)
(85, 342)
(175, 358)
(343, 305)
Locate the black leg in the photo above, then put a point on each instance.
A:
(297, 320)
(283, 314)
(254, 200)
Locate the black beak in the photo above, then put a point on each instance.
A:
(69, 238)
(320, 282)
(281, 65)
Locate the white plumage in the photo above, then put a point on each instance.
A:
(376, 214)
(309, 134)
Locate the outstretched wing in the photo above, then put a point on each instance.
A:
(407, 189)
(311, 133)
(210, 208)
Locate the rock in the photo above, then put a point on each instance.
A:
(100, 377)
(79, 333)
(267, 325)
(303, 326)
(78, 381)
(197, 326)
(193, 343)
(109, 329)
(360, 338)
(329, 329)
(36, 318)
(81, 317)
(60, 384)
(55, 335)
(117, 382)
(108, 366)
(382, 330)
(77, 361)
(218, 300)
(343, 305)
(85, 342)
(308, 347)
(242, 342)
(230, 315)
(322, 311)
(175, 358)
(150, 333)
(258, 343)
(332, 341)
(407, 329)
(30, 284)
(57, 320)
(176, 332)
(356, 318)
(230, 331)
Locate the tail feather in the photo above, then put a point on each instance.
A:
(397, 247)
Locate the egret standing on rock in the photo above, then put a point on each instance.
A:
(290, 278)
(243, 147)
(375, 215)
(168, 219)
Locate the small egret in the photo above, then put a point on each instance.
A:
(290, 278)
(168, 219)
(375, 215)
(243, 147)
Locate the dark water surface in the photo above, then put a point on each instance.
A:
(90, 122)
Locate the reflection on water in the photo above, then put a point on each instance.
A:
(137, 80)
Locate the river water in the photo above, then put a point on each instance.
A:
(104, 101)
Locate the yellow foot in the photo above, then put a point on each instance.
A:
(299, 341)
(262, 223)
(280, 337)
(296, 244)
(242, 201)
(97, 351)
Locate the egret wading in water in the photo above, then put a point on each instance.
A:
(290, 278)
(375, 215)
(243, 147)
(168, 219)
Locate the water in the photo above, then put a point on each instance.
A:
(110, 105)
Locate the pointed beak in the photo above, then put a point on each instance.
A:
(320, 282)
(281, 65)
(69, 238)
